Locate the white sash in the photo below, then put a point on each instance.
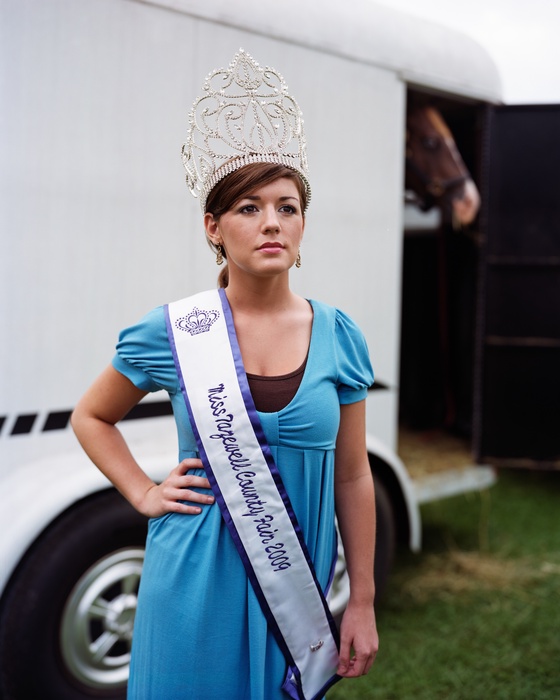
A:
(249, 490)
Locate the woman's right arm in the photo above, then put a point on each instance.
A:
(106, 402)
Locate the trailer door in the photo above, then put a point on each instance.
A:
(517, 385)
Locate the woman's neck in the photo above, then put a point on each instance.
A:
(254, 295)
(273, 325)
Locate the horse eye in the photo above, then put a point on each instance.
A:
(430, 142)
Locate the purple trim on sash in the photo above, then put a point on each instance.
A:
(259, 432)
(289, 687)
(333, 568)
(295, 690)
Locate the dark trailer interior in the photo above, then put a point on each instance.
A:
(480, 336)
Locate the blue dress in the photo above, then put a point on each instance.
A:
(199, 632)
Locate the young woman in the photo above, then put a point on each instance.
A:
(201, 629)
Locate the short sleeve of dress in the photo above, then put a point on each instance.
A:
(144, 356)
(355, 373)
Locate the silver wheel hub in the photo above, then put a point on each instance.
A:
(120, 616)
(97, 623)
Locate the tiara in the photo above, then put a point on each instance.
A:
(245, 115)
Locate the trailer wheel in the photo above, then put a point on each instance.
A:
(66, 620)
(386, 537)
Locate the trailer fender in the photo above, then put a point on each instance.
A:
(40, 492)
(391, 472)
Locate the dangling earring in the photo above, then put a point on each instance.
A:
(298, 259)
(219, 255)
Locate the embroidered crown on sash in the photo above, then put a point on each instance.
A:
(197, 321)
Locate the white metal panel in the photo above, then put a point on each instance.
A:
(382, 415)
(419, 51)
(93, 198)
(98, 224)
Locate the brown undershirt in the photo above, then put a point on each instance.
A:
(272, 394)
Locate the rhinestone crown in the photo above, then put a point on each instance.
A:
(245, 115)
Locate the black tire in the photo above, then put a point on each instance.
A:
(386, 538)
(76, 585)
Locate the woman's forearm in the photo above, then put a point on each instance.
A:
(94, 421)
(355, 506)
(107, 449)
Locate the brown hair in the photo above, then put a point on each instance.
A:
(242, 182)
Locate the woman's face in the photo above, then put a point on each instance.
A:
(262, 232)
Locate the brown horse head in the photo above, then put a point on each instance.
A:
(435, 171)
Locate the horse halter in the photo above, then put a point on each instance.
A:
(435, 186)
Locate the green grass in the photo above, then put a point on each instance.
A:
(476, 614)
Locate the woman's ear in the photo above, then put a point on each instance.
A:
(211, 227)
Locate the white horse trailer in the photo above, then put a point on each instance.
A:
(98, 227)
